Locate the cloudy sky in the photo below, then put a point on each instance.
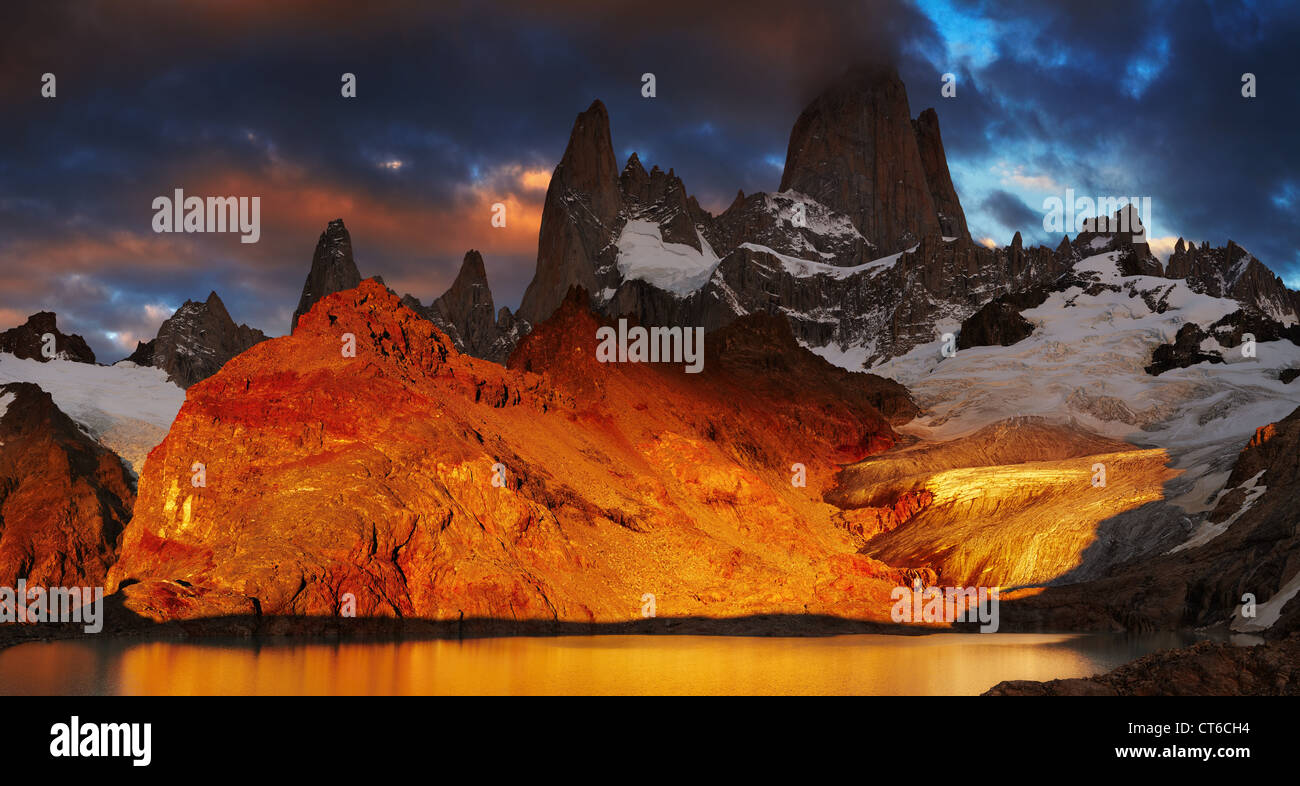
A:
(462, 105)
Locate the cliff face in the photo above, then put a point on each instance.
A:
(64, 498)
(856, 150)
(582, 206)
(374, 476)
(929, 143)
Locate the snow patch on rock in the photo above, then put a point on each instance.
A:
(129, 408)
(675, 267)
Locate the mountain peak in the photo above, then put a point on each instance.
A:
(28, 340)
(588, 163)
(466, 313)
(587, 175)
(332, 268)
(856, 150)
(472, 269)
(196, 341)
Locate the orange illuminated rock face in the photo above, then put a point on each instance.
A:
(1262, 434)
(421, 482)
(64, 498)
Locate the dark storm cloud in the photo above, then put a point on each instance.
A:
(1014, 214)
(1145, 99)
(467, 97)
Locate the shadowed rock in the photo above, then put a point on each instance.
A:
(332, 269)
(28, 340)
(196, 341)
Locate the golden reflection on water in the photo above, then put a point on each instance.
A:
(942, 664)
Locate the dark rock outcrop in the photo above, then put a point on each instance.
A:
(1228, 333)
(1231, 271)
(1183, 352)
(196, 341)
(1206, 668)
(28, 340)
(64, 498)
(332, 269)
(996, 323)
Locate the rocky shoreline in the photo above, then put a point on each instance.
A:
(1207, 668)
(120, 622)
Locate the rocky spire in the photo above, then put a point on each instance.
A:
(855, 150)
(468, 305)
(332, 268)
(582, 203)
(952, 220)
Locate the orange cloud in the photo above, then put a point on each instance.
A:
(84, 253)
(295, 209)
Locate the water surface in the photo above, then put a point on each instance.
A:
(948, 663)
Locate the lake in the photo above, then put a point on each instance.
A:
(944, 664)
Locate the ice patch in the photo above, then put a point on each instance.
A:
(804, 268)
(675, 267)
(1209, 531)
(1268, 612)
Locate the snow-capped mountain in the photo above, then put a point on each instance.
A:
(865, 247)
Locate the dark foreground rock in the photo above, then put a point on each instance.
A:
(1203, 669)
